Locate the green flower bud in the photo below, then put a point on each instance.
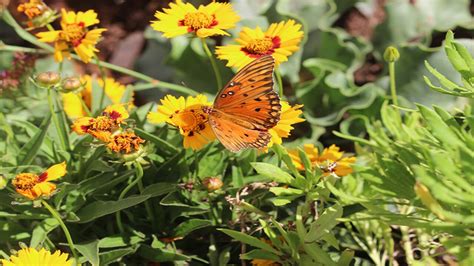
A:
(48, 78)
(391, 54)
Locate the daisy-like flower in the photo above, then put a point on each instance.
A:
(331, 160)
(74, 35)
(34, 186)
(204, 21)
(38, 13)
(103, 126)
(32, 257)
(72, 101)
(280, 40)
(188, 116)
(290, 115)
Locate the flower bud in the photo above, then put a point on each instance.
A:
(71, 84)
(212, 183)
(391, 54)
(48, 78)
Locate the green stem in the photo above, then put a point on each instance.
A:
(213, 63)
(393, 88)
(55, 214)
(103, 77)
(148, 207)
(25, 35)
(139, 175)
(407, 244)
(54, 114)
(280, 83)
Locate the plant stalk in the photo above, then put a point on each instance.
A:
(213, 63)
(64, 139)
(55, 214)
(393, 88)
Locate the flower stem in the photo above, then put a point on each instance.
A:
(55, 214)
(393, 88)
(280, 82)
(139, 175)
(213, 63)
(103, 77)
(25, 35)
(62, 135)
(148, 208)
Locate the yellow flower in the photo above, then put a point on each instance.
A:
(280, 40)
(125, 142)
(33, 186)
(74, 35)
(331, 160)
(32, 257)
(204, 21)
(104, 125)
(72, 101)
(188, 116)
(289, 115)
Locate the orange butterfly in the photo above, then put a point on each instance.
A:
(247, 107)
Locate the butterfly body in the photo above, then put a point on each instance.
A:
(246, 108)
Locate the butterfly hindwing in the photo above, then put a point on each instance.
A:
(236, 135)
(250, 96)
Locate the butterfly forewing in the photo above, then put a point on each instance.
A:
(247, 106)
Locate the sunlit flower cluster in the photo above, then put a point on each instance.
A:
(33, 185)
(38, 13)
(74, 35)
(330, 161)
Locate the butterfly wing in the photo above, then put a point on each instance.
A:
(249, 96)
(236, 134)
(247, 107)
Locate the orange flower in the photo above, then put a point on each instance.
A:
(34, 186)
(125, 142)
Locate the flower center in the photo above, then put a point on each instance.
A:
(126, 142)
(103, 123)
(74, 33)
(197, 20)
(25, 181)
(259, 46)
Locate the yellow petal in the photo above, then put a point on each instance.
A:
(117, 112)
(54, 172)
(73, 105)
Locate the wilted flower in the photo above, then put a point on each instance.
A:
(125, 142)
(32, 257)
(38, 13)
(188, 116)
(34, 186)
(204, 21)
(104, 125)
(331, 160)
(280, 40)
(74, 35)
(20, 67)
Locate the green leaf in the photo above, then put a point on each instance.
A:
(324, 224)
(317, 254)
(101, 208)
(160, 255)
(160, 143)
(250, 240)
(190, 225)
(259, 254)
(346, 258)
(115, 241)
(113, 255)
(90, 250)
(273, 172)
(284, 191)
(31, 148)
(41, 231)
(159, 189)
